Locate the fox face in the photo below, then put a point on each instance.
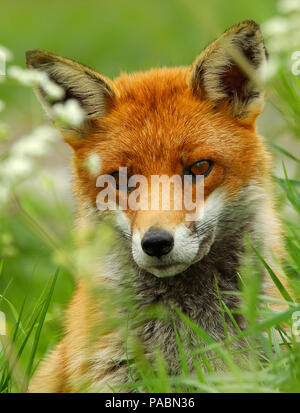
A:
(196, 121)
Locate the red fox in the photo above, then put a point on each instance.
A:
(196, 120)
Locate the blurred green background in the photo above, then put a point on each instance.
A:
(118, 35)
(110, 36)
(123, 35)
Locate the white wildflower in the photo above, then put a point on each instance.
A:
(6, 53)
(69, 113)
(13, 168)
(272, 67)
(27, 77)
(36, 143)
(52, 90)
(268, 69)
(278, 45)
(276, 26)
(33, 78)
(20, 162)
(93, 164)
(287, 6)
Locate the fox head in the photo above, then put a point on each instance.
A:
(186, 121)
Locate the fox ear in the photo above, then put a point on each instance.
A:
(93, 91)
(228, 71)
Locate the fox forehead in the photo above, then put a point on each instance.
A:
(157, 125)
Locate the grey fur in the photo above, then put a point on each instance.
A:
(194, 291)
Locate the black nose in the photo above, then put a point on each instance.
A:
(157, 242)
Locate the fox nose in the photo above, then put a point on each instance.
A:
(157, 242)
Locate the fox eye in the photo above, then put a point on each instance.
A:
(202, 167)
(120, 181)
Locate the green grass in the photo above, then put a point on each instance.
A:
(273, 354)
(36, 226)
